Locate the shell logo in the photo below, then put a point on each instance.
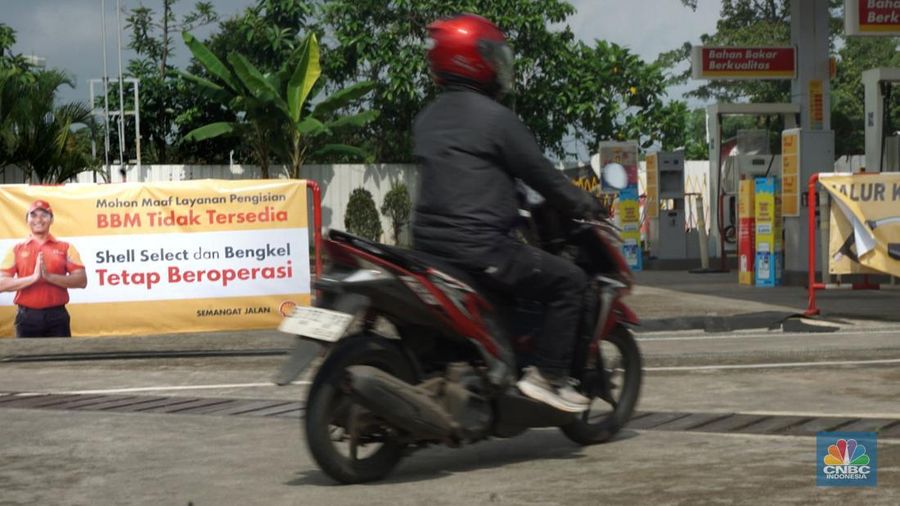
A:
(287, 308)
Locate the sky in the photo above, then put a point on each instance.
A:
(68, 32)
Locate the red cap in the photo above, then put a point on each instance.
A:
(43, 205)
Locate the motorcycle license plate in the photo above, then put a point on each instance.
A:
(316, 323)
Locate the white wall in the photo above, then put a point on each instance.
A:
(11, 175)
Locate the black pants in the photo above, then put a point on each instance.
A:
(48, 322)
(531, 273)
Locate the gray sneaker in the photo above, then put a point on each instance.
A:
(560, 396)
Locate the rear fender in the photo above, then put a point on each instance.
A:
(305, 350)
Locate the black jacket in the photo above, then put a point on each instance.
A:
(470, 150)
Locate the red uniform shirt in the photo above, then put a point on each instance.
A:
(59, 258)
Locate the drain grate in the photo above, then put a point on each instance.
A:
(738, 423)
(159, 405)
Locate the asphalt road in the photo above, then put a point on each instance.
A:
(66, 456)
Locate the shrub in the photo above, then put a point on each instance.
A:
(362, 217)
(396, 206)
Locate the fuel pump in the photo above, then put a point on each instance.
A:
(882, 138)
(751, 158)
(725, 174)
(667, 230)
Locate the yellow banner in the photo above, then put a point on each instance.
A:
(172, 257)
(865, 222)
(790, 170)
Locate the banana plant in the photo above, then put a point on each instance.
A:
(275, 110)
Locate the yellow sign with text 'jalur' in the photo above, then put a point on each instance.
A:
(865, 222)
(173, 257)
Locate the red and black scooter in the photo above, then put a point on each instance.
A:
(416, 354)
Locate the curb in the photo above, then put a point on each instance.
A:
(714, 323)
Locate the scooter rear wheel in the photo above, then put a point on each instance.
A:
(346, 441)
(622, 361)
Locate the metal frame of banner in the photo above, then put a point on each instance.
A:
(313, 187)
(812, 285)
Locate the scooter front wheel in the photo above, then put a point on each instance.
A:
(347, 442)
(621, 361)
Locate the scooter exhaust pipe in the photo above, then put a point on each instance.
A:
(399, 403)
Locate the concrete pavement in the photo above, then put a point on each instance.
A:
(70, 456)
(679, 300)
(664, 301)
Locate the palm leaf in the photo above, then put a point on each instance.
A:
(341, 149)
(209, 60)
(207, 87)
(356, 120)
(211, 130)
(342, 97)
(304, 77)
(261, 88)
(311, 126)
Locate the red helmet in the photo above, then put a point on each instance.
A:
(470, 49)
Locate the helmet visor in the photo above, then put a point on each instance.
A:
(500, 56)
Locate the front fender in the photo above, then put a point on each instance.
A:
(625, 314)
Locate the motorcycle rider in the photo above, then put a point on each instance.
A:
(471, 149)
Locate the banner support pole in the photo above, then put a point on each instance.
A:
(812, 204)
(317, 224)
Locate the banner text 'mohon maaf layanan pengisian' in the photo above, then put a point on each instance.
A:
(172, 218)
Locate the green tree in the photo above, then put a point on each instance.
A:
(361, 217)
(275, 108)
(266, 33)
(15, 81)
(559, 90)
(847, 93)
(741, 23)
(761, 23)
(397, 207)
(683, 129)
(162, 100)
(610, 93)
(49, 143)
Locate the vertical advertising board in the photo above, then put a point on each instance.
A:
(651, 205)
(746, 230)
(171, 257)
(628, 211)
(769, 262)
(790, 172)
(816, 105)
